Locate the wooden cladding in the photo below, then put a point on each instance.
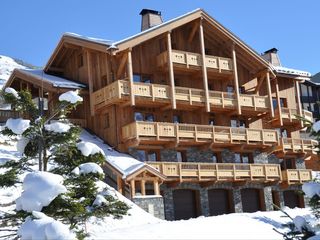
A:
(191, 133)
(218, 171)
(293, 176)
(188, 59)
(119, 91)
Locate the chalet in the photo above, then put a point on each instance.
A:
(212, 123)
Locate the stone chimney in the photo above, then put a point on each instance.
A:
(150, 18)
(272, 56)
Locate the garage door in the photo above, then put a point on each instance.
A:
(185, 204)
(219, 202)
(250, 200)
(292, 199)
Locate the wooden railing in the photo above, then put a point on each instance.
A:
(297, 175)
(5, 114)
(195, 60)
(119, 91)
(217, 171)
(291, 114)
(199, 133)
(78, 121)
(299, 145)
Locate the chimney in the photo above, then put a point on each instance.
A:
(150, 18)
(272, 56)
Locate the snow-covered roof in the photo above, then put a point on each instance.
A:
(124, 163)
(90, 39)
(54, 80)
(291, 71)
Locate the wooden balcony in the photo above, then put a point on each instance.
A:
(118, 92)
(289, 146)
(159, 133)
(193, 61)
(289, 115)
(201, 172)
(294, 176)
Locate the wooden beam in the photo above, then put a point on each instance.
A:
(236, 80)
(156, 187)
(132, 188)
(90, 82)
(278, 101)
(171, 74)
(130, 75)
(143, 187)
(122, 65)
(269, 94)
(120, 185)
(193, 32)
(256, 91)
(204, 67)
(298, 98)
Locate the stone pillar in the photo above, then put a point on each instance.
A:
(267, 192)
(168, 202)
(237, 200)
(204, 202)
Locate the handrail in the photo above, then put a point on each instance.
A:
(297, 175)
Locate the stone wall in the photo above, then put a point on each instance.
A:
(152, 204)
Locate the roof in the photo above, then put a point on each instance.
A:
(316, 78)
(49, 81)
(292, 72)
(89, 39)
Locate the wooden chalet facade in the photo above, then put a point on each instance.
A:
(214, 122)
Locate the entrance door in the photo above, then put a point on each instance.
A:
(219, 202)
(292, 199)
(185, 204)
(250, 200)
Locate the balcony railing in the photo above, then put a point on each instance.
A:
(5, 114)
(297, 175)
(189, 59)
(299, 145)
(119, 91)
(191, 133)
(291, 114)
(218, 171)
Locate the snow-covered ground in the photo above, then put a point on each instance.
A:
(7, 65)
(141, 225)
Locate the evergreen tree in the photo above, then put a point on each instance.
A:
(57, 144)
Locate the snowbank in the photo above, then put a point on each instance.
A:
(43, 227)
(12, 91)
(57, 127)
(40, 188)
(18, 125)
(70, 96)
(88, 148)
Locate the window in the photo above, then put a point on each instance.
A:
(214, 158)
(242, 90)
(282, 132)
(149, 117)
(152, 156)
(139, 116)
(312, 107)
(242, 158)
(305, 106)
(288, 163)
(141, 78)
(176, 119)
(181, 156)
(141, 155)
(304, 90)
(310, 91)
(106, 120)
(237, 123)
(211, 121)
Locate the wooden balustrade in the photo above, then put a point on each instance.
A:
(118, 92)
(299, 145)
(293, 176)
(217, 171)
(291, 114)
(6, 114)
(181, 132)
(189, 59)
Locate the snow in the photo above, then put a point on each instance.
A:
(43, 227)
(70, 96)
(311, 189)
(88, 148)
(122, 162)
(54, 80)
(12, 91)
(316, 126)
(57, 127)
(7, 65)
(291, 71)
(18, 125)
(91, 39)
(21, 144)
(39, 190)
(90, 167)
(99, 200)
(299, 222)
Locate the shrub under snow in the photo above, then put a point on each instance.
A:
(57, 127)
(43, 227)
(40, 189)
(12, 91)
(88, 148)
(99, 200)
(71, 97)
(18, 125)
(86, 168)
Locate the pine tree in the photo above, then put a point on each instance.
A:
(61, 149)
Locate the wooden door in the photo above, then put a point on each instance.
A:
(185, 204)
(219, 202)
(292, 199)
(250, 198)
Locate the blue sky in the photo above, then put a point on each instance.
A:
(30, 29)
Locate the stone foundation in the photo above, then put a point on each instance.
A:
(152, 204)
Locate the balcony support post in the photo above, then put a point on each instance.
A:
(90, 81)
(270, 94)
(143, 187)
(133, 188)
(298, 100)
(204, 67)
(156, 187)
(120, 185)
(130, 75)
(235, 78)
(171, 73)
(278, 102)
